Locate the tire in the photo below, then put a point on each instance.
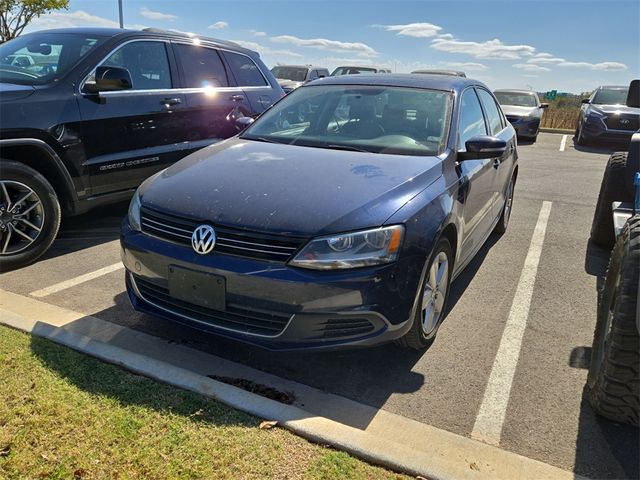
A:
(613, 382)
(579, 137)
(417, 338)
(503, 222)
(612, 189)
(16, 180)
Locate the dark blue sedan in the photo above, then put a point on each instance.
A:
(340, 217)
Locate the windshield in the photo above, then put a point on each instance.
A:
(611, 96)
(38, 58)
(375, 119)
(517, 99)
(352, 70)
(297, 74)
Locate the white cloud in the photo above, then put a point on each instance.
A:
(446, 36)
(602, 66)
(265, 50)
(530, 67)
(258, 33)
(546, 60)
(418, 30)
(218, 26)
(356, 48)
(153, 15)
(79, 18)
(470, 66)
(489, 49)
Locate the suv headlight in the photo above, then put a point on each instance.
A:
(595, 113)
(351, 250)
(134, 212)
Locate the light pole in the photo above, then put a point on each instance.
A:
(120, 13)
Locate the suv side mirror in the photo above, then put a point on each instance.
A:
(110, 79)
(544, 105)
(483, 146)
(633, 97)
(585, 100)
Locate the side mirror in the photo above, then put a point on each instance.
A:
(585, 100)
(244, 122)
(544, 105)
(633, 97)
(110, 79)
(483, 146)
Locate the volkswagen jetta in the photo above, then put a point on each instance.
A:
(344, 227)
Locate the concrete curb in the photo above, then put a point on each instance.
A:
(558, 130)
(387, 439)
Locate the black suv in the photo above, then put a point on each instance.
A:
(91, 113)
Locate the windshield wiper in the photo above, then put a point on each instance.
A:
(347, 147)
(260, 139)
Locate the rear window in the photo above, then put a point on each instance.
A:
(201, 66)
(245, 70)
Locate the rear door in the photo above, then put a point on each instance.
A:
(128, 135)
(249, 77)
(213, 100)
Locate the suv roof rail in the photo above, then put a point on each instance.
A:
(193, 35)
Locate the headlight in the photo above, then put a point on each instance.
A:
(595, 113)
(134, 212)
(351, 250)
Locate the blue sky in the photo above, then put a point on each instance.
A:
(565, 45)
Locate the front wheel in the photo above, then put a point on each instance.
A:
(29, 215)
(432, 300)
(579, 137)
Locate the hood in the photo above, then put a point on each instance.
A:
(517, 111)
(11, 91)
(615, 109)
(288, 84)
(298, 190)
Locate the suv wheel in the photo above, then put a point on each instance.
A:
(433, 299)
(579, 136)
(29, 215)
(613, 384)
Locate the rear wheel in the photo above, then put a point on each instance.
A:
(612, 189)
(29, 215)
(613, 383)
(503, 223)
(434, 293)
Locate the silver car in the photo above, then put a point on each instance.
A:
(523, 110)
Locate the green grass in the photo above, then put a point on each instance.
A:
(64, 415)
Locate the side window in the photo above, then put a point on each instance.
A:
(202, 66)
(493, 114)
(147, 63)
(313, 74)
(323, 73)
(471, 118)
(245, 70)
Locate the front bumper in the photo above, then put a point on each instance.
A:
(270, 304)
(525, 127)
(594, 129)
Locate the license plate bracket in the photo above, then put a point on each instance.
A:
(199, 288)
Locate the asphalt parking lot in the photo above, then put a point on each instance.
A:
(543, 415)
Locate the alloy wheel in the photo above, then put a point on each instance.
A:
(21, 217)
(435, 293)
(508, 203)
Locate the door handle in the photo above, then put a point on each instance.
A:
(237, 98)
(169, 102)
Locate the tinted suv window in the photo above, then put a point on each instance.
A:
(493, 114)
(245, 70)
(471, 119)
(202, 67)
(147, 63)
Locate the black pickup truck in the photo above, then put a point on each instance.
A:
(90, 113)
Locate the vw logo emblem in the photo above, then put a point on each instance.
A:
(203, 239)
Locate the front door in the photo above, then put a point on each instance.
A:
(128, 135)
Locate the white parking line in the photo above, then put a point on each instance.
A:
(563, 143)
(76, 281)
(491, 416)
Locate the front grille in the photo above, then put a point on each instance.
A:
(513, 119)
(228, 240)
(623, 122)
(344, 327)
(235, 317)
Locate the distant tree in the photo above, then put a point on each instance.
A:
(15, 15)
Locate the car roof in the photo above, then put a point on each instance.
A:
(509, 90)
(310, 67)
(437, 71)
(150, 32)
(418, 80)
(614, 87)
